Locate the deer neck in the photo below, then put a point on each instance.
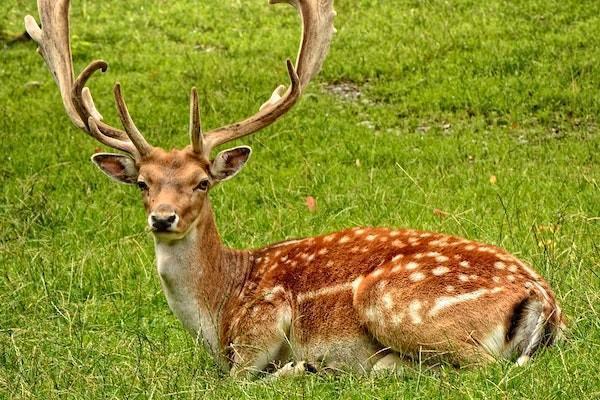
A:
(198, 275)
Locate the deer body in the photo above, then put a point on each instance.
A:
(363, 298)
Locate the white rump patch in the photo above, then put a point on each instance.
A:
(494, 343)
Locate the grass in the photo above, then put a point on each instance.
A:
(451, 94)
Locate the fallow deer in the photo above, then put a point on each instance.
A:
(361, 299)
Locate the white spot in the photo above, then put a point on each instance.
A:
(323, 251)
(513, 268)
(365, 250)
(441, 258)
(412, 265)
(370, 238)
(394, 233)
(284, 258)
(388, 302)
(359, 231)
(416, 276)
(397, 268)
(356, 283)
(371, 313)
(464, 264)
(425, 234)
(329, 238)
(383, 239)
(473, 277)
(303, 256)
(463, 278)
(456, 256)
(397, 257)
(398, 318)
(344, 239)
(511, 278)
(325, 291)
(504, 257)
(499, 265)
(445, 301)
(258, 260)
(418, 256)
(398, 243)
(496, 279)
(449, 288)
(470, 247)
(277, 254)
(413, 241)
(355, 249)
(376, 273)
(311, 257)
(414, 309)
(433, 254)
(441, 270)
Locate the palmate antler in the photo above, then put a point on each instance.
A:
(54, 46)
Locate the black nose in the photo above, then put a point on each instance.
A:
(162, 223)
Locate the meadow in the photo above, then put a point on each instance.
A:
(474, 118)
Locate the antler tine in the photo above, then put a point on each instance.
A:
(195, 123)
(317, 31)
(132, 131)
(54, 45)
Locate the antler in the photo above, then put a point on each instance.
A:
(317, 31)
(54, 46)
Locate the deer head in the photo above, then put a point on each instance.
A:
(174, 184)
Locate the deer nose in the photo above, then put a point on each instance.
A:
(163, 221)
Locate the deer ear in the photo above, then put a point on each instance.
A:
(229, 162)
(117, 166)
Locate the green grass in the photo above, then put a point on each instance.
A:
(451, 94)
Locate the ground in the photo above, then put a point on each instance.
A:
(477, 119)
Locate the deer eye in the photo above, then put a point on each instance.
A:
(202, 186)
(142, 186)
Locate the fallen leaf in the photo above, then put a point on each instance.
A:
(311, 203)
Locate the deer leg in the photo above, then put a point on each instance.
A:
(260, 336)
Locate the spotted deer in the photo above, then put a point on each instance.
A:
(360, 299)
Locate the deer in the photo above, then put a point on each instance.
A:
(362, 299)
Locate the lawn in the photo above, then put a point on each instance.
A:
(475, 118)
